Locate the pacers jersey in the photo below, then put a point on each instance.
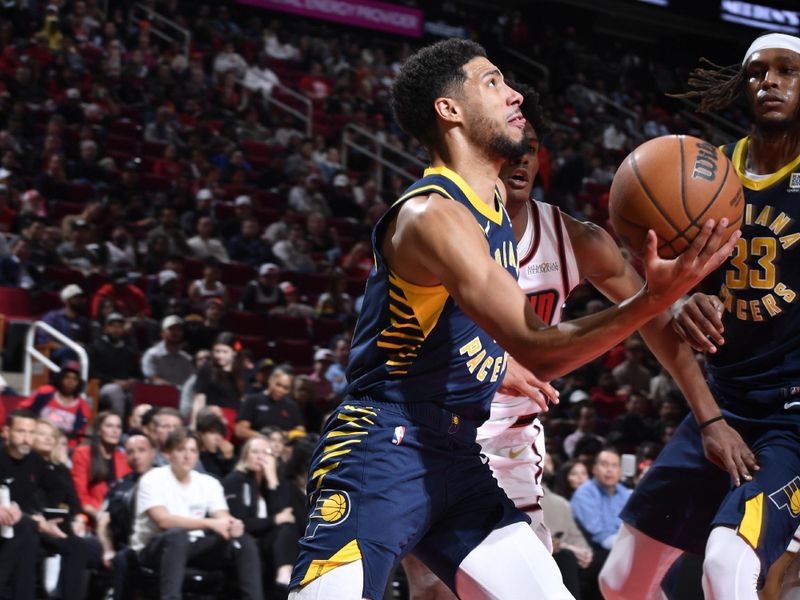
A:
(413, 343)
(548, 272)
(759, 287)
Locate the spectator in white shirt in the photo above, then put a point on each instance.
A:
(182, 519)
(204, 246)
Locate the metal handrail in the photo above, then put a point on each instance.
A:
(163, 21)
(308, 118)
(725, 125)
(31, 352)
(377, 154)
(529, 61)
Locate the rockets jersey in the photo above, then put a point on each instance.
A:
(757, 370)
(548, 272)
(413, 343)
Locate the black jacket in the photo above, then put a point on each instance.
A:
(242, 493)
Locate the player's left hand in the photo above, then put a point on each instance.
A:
(724, 447)
(519, 381)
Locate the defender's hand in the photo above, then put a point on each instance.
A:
(698, 321)
(724, 447)
(668, 280)
(518, 381)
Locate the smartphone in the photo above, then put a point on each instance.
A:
(628, 464)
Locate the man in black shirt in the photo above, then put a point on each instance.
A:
(272, 407)
(18, 467)
(115, 364)
(115, 521)
(29, 479)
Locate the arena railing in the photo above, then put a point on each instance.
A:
(377, 154)
(724, 129)
(141, 11)
(307, 118)
(31, 352)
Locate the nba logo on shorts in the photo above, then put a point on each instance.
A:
(794, 182)
(399, 434)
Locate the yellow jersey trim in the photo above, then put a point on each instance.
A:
(740, 156)
(347, 554)
(494, 214)
(750, 527)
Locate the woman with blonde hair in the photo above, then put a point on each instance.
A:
(255, 495)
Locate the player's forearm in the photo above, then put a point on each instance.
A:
(678, 358)
(557, 350)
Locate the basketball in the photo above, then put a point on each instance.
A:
(333, 508)
(673, 185)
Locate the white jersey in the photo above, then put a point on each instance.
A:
(512, 437)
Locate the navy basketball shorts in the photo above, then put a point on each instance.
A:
(683, 496)
(386, 479)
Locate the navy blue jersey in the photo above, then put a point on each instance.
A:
(758, 369)
(413, 343)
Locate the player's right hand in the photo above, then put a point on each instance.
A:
(698, 321)
(669, 279)
(724, 447)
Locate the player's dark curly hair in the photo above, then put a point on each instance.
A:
(531, 108)
(717, 87)
(432, 72)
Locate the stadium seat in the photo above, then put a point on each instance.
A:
(237, 274)
(157, 395)
(245, 322)
(256, 344)
(296, 352)
(323, 330)
(15, 304)
(283, 326)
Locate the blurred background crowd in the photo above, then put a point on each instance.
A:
(195, 213)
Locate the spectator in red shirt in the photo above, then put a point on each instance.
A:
(128, 299)
(62, 403)
(99, 464)
(168, 165)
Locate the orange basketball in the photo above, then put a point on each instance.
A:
(673, 185)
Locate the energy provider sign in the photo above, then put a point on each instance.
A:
(395, 19)
(760, 16)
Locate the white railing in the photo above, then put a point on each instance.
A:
(307, 118)
(536, 65)
(376, 154)
(161, 23)
(31, 352)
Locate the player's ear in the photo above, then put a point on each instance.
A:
(448, 109)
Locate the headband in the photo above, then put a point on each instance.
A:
(772, 41)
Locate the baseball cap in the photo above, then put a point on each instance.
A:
(341, 180)
(243, 201)
(73, 94)
(115, 316)
(323, 354)
(578, 396)
(268, 269)
(204, 194)
(166, 276)
(171, 321)
(287, 287)
(71, 291)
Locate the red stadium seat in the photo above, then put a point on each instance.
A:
(157, 395)
(237, 274)
(256, 344)
(323, 330)
(46, 301)
(299, 353)
(246, 322)
(15, 304)
(283, 326)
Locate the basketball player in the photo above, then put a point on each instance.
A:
(684, 502)
(556, 253)
(397, 467)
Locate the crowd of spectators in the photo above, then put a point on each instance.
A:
(210, 256)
